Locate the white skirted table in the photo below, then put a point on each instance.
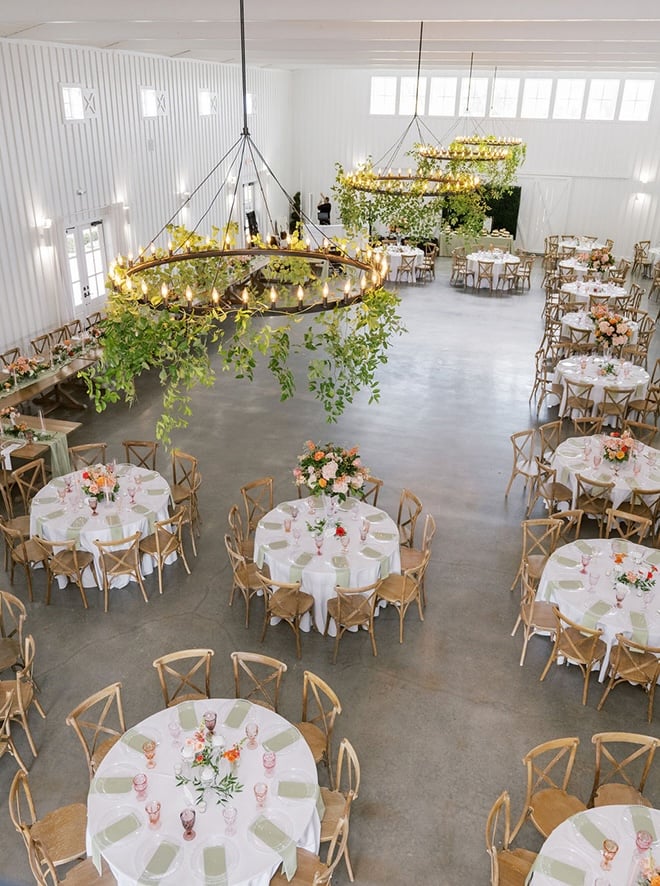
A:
(498, 259)
(601, 372)
(582, 291)
(119, 829)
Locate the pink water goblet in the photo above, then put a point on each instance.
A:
(188, 823)
(318, 541)
(153, 812)
(131, 494)
(140, 784)
(269, 760)
(251, 731)
(586, 560)
(93, 505)
(210, 719)
(260, 794)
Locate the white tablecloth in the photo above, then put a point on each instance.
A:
(581, 320)
(589, 369)
(580, 243)
(594, 606)
(498, 259)
(572, 458)
(580, 292)
(394, 254)
(57, 521)
(577, 843)
(249, 862)
(575, 265)
(321, 574)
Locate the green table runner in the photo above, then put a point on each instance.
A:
(342, 569)
(595, 612)
(640, 633)
(377, 555)
(116, 530)
(295, 573)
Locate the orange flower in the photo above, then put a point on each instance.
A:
(319, 456)
(323, 482)
(310, 445)
(620, 454)
(619, 558)
(655, 880)
(232, 755)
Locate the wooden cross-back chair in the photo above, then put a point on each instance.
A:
(539, 540)
(636, 663)
(623, 764)
(179, 674)
(338, 800)
(576, 644)
(81, 874)
(548, 488)
(353, 608)
(524, 466)
(141, 453)
(64, 558)
(310, 870)
(21, 551)
(264, 675)
(410, 507)
(12, 619)
(7, 745)
(243, 543)
(29, 479)
(593, 497)
(10, 356)
(120, 557)
(403, 589)
(627, 525)
(406, 269)
(245, 577)
(87, 454)
(257, 500)
(164, 541)
(371, 490)
(320, 709)
(507, 866)
(99, 723)
(23, 691)
(285, 600)
(536, 616)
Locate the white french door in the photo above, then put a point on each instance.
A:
(86, 261)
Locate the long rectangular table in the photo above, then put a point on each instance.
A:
(55, 377)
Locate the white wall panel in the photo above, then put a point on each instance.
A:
(119, 157)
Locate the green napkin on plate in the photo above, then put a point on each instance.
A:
(640, 628)
(302, 790)
(154, 491)
(347, 505)
(140, 509)
(113, 833)
(282, 740)
(277, 545)
(238, 713)
(285, 507)
(565, 561)
(654, 558)
(46, 500)
(559, 870)
(269, 833)
(134, 739)
(159, 863)
(384, 536)
(591, 616)
(295, 573)
(377, 555)
(570, 584)
(116, 531)
(270, 524)
(187, 716)
(112, 784)
(53, 515)
(342, 569)
(147, 478)
(642, 820)
(215, 865)
(376, 518)
(593, 835)
(583, 547)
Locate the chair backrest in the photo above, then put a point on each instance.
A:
(97, 718)
(21, 804)
(587, 425)
(236, 524)
(540, 537)
(12, 618)
(570, 639)
(41, 345)
(167, 534)
(371, 489)
(42, 867)
(178, 672)
(58, 554)
(121, 556)
(485, 269)
(184, 469)
(429, 532)
(347, 772)
(335, 853)
(570, 522)
(258, 501)
(642, 431)
(623, 758)
(285, 591)
(87, 454)
(237, 561)
(498, 833)
(320, 704)
(626, 660)
(523, 446)
(594, 491)
(73, 328)
(410, 507)
(550, 438)
(10, 356)
(627, 525)
(357, 605)
(30, 478)
(265, 676)
(141, 453)
(549, 765)
(615, 400)
(407, 264)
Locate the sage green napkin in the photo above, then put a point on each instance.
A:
(376, 518)
(47, 499)
(565, 561)
(215, 865)
(114, 832)
(302, 790)
(347, 505)
(559, 870)
(570, 584)
(238, 713)
(116, 531)
(278, 545)
(269, 524)
(384, 536)
(654, 558)
(282, 740)
(115, 784)
(159, 863)
(377, 555)
(155, 491)
(342, 569)
(295, 573)
(55, 514)
(640, 628)
(642, 820)
(269, 833)
(583, 547)
(187, 716)
(147, 478)
(73, 532)
(593, 835)
(140, 509)
(134, 739)
(285, 507)
(595, 612)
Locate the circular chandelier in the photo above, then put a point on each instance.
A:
(462, 150)
(410, 183)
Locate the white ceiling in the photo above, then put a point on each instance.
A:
(549, 35)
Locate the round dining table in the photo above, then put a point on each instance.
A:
(260, 840)
(496, 256)
(581, 244)
(394, 254)
(60, 512)
(574, 853)
(601, 372)
(580, 579)
(582, 322)
(581, 291)
(583, 455)
(292, 555)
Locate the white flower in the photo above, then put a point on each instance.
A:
(340, 485)
(329, 470)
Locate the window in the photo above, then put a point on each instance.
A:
(473, 96)
(86, 262)
(249, 102)
(504, 102)
(442, 97)
(569, 98)
(207, 103)
(601, 103)
(636, 101)
(383, 95)
(536, 98)
(154, 102)
(78, 103)
(407, 92)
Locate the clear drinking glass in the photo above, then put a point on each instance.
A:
(230, 814)
(149, 751)
(251, 731)
(260, 793)
(609, 851)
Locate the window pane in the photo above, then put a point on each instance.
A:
(442, 97)
(205, 103)
(407, 95)
(72, 97)
(504, 102)
(478, 89)
(569, 97)
(96, 285)
(149, 103)
(601, 103)
(636, 101)
(536, 98)
(383, 95)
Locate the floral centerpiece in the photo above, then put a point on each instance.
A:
(99, 481)
(340, 531)
(330, 470)
(23, 369)
(610, 328)
(617, 447)
(318, 527)
(641, 580)
(600, 259)
(66, 350)
(649, 871)
(209, 755)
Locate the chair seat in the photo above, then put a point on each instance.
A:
(644, 664)
(514, 865)
(62, 833)
(85, 874)
(397, 589)
(180, 493)
(411, 558)
(10, 652)
(359, 614)
(248, 575)
(543, 617)
(309, 864)
(580, 644)
(246, 547)
(335, 803)
(27, 692)
(289, 608)
(30, 552)
(620, 795)
(66, 558)
(149, 545)
(314, 737)
(552, 806)
(102, 749)
(22, 524)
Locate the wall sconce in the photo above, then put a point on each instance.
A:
(184, 196)
(127, 215)
(45, 227)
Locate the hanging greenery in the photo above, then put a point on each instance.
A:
(151, 328)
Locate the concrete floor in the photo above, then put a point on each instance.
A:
(441, 722)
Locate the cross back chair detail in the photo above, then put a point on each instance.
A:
(178, 684)
(264, 675)
(99, 723)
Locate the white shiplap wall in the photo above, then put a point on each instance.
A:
(605, 174)
(117, 159)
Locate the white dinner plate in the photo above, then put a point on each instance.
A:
(232, 855)
(145, 853)
(148, 732)
(116, 770)
(278, 818)
(115, 814)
